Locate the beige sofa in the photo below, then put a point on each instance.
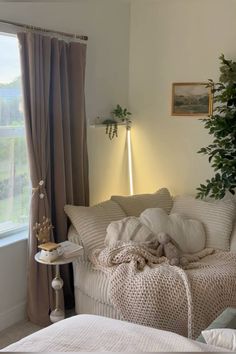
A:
(91, 286)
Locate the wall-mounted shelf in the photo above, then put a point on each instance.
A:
(99, 125)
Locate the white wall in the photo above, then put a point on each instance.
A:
(106, 22)
(13, 263)
(173, 41)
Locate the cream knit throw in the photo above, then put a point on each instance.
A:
(146, 290)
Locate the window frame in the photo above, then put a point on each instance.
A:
(11, 31)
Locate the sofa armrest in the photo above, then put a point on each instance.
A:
(73, 236)
(227, 319)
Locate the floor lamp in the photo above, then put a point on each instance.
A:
(130, 162)
(129, 153)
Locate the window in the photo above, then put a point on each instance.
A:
(14, 172)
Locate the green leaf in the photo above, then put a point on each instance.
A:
(222, 127)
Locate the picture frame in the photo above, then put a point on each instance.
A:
(191, 99)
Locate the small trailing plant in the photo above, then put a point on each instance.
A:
(222, 126)
(119, 115)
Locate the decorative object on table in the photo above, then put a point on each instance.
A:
(50, 251)
(222, 126)
(119, 115)
(43, 230)
(57, 283)
(70, 249)
(191, 99)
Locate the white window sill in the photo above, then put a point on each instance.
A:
(13, 238)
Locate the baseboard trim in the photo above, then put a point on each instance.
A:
(13, 315)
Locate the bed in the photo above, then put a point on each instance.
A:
(93, 333)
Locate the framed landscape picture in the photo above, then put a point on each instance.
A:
(191, 99)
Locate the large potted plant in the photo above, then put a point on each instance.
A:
(222, 126)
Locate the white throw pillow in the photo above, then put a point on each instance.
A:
(217, 218)
(188, 234)
(221, 337)
(128, 229)
(134, 205)
(91, 222)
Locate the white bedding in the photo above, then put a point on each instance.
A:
(94, 333)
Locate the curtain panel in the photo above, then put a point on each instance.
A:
(53, 79)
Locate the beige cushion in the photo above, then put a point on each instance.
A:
(91, 222)
(73, 236)
(217, 218)
(134, 205)
(233, 238)
(188, 234)
(229, 196)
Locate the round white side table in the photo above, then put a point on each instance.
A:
(57, 284)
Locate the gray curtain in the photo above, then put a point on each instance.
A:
(53, 77)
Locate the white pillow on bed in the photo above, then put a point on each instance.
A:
(188, 234)
(217, 218)
(221, 337)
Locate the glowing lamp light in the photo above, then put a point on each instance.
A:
(130, 170)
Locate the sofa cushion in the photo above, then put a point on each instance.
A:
(230, 197)
(128, 229)
(91, 222)
(227, 319)
(217, 218)
(188, 234)
(233, 238)
(224, 338)
(134, 205)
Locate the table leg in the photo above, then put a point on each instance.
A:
(57, 284)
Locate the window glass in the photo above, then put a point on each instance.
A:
(14, 172)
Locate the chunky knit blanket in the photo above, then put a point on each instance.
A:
(146, 290)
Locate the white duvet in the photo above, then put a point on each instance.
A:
(95, 333)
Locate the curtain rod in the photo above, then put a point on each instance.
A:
(30, 27)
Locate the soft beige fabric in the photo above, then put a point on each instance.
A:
(86, 333)
(91, 222)
(127, 229)
(164, 296)
(73, 236)
(53, 73)
(188, 234)
(91, 282)
(229, 197)
(233, 235)
(224, 338)
(233, 238)
(217, 218)
(134, 205)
